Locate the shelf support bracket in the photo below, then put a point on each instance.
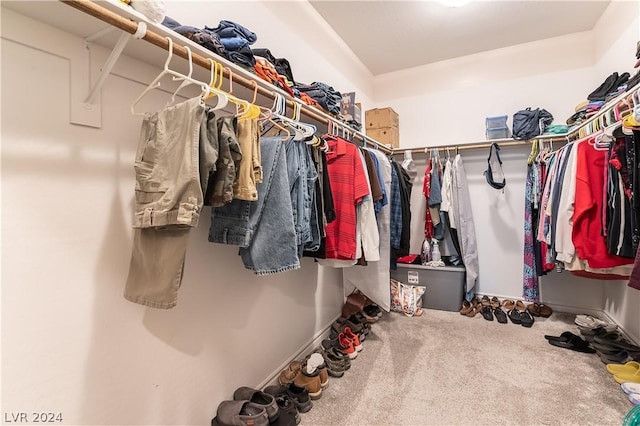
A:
(89, 103)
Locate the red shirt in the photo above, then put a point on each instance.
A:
(348, 187)
(587, 232)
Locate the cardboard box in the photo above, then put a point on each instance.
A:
(381, 117)
(386, 136)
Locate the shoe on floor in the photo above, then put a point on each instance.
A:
(289, 414)
(347, 345)
(311, 383)
(487, 313)
(587, 321)
(233, 413)
(313, 364)
(629, 368)
(298, 395)
(526, 320)
(264, 400)
(500, 315)
(515, 316)
(288, 374)
(354, 339)
(629, 387)
(626, 377)
(634, 398)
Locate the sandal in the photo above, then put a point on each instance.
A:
(474, 311)
(515, 316)
(495, 302)
(534, 309)
(545, 311)
(508, 304)
(501, 317)
(485, 301)
(520, 306)
(466, 307)
(526, 320)
(487, 313)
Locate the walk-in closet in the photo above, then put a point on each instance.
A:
(320, 212)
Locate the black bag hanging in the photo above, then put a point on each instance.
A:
(489, 173)
(528, 123)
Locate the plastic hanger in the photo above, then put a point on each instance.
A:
(184, 82)
(223, 99)
(166, 71)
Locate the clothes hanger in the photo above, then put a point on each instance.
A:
(166, 71)
(223, 99)
(184, 82)
(534, 152)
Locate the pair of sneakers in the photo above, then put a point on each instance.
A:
(346, 341)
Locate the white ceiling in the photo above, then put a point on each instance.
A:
(393, 35)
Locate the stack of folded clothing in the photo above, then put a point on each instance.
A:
(236, 39)
(281, 65)
(266, 71)
(612, 84)
(325, 95)
(206, 39)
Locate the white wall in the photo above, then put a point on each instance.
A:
(616, 52)
(446, 103)
(70, 342)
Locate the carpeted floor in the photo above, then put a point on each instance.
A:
(447, 369)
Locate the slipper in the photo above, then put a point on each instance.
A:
(520, 306)
(568, 336)
(605, 349)
(526, 320)
(466, 307)
(592, 331)
(515, 316)
(495, 302)
(485, 301)
(570, 345)
(625, 377)
(587, 321)
(630, 367)
(634, 398)
(629, 387)
(501, 317)
(486, 313)
(544, 310)
(508, 304)
(615, 358)
(534, 309)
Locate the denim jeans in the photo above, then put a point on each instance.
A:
(302, 176)
(264, 229)
(168, 200)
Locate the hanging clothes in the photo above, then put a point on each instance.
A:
(466, 227)
(373, 279)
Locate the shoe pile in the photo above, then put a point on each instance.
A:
(516, 311)
(303, 381)
(606, 340)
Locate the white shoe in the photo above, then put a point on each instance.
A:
(630, 387)
(587, 321)
(634, 398)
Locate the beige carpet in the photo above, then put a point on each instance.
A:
(446, 369)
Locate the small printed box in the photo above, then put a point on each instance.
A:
(381, 117)
(386, 135)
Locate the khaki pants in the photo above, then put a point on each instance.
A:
(168, 203)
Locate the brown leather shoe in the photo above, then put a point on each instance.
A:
(311, 383)
(288, 374)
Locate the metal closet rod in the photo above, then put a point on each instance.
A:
(111, 18)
